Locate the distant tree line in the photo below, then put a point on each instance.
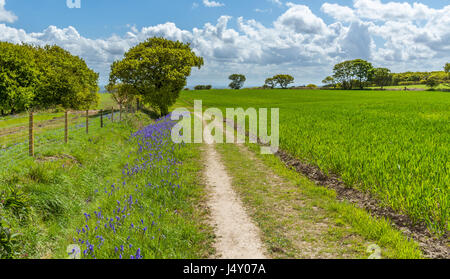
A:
(33, 77)
(203, 87)
(359, 73)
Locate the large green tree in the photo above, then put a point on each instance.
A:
(157, 69)
(361, 71)
(343, 74)
(237, 81)
(283, 80)
(19, 77)
(44, 77)
(349, 72)
(66, 80)
(381, 76)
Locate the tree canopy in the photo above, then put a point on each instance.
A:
(329, 81)
(283, 80)
(44, 77)
(347, 72)
(19, 77)
(157, 70)
(66, 80)
(350, 73)
(237, 81)
(361, 70)
(432, 82)
(381, 76)
(270, 83)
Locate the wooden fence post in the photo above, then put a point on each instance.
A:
(87, 121)
(120, 113)
(66, 127)
(101, 118)
(31, 134)
(112, 115)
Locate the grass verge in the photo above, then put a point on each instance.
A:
(53, 202)
(300, 220)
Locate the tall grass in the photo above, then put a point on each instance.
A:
(67, 184)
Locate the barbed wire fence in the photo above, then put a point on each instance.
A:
(22, 136)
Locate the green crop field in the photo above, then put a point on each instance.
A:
(393, 144)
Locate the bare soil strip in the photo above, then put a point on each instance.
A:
(238, 237)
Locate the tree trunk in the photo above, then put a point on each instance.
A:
(164, 110)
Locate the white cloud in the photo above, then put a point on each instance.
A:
(212, 4)
(6, 16)
(338, 12)
(300, 19)
(395, 11)
(357, 42)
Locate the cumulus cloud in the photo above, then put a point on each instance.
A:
(298, 42)
(300, 19)
(338, 12)
(6, 16)
(212, 4)
(376, 10)
(357, 42)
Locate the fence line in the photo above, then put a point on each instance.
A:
(23, 135)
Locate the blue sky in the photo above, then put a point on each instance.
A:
(257, 37)
(102, 18)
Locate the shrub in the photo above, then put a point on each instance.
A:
(432, 82)
(311, 86)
